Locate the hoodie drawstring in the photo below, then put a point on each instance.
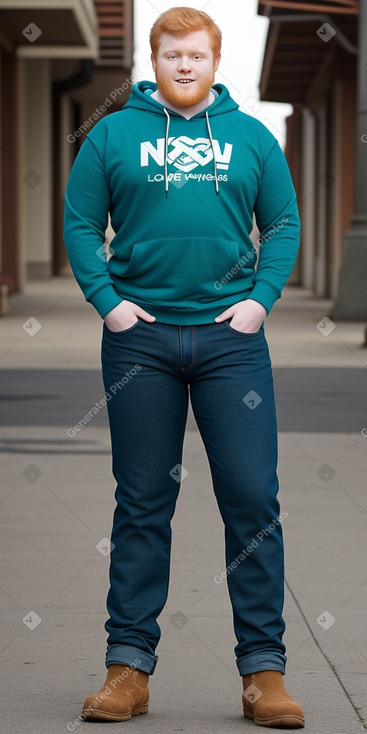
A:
(166, 152)
(166, 183)
(215, 162)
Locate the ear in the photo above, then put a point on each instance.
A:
(154, 63)
(216, 62)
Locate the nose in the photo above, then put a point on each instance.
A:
(184, 64)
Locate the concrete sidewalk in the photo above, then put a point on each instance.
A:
(57, 503)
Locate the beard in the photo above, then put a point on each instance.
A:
(193, 93)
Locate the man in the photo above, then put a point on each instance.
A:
(181, 171)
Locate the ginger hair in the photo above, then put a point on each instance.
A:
(182, 20)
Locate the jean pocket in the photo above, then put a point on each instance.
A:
(245, 333)
(124, 331)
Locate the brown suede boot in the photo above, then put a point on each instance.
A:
(124, 694)
(266, 701)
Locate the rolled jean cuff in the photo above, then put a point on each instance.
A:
(256, 661)
(132, 656)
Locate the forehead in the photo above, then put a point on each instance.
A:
(195, 41)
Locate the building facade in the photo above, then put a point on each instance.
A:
(310, 61)
(62, 67)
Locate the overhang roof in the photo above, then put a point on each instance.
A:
(344, 7)
(303, 39)
(50, 28)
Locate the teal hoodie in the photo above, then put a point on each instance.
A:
(181, 195)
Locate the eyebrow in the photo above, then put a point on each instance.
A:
(176, 51)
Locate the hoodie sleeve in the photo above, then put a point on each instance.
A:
(279, 225)
(87, 203)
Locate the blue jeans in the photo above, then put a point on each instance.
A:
(147, 369)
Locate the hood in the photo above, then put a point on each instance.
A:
(140, 99)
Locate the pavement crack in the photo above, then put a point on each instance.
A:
(323, 653)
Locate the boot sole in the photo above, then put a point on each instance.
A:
(108, 716)
(286, 721)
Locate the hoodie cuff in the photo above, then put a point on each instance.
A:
(265, 294)
(105, 300)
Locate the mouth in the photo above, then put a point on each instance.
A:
(184, 81)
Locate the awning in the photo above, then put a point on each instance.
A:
(344, 7)
(49, 28)
(302, 41)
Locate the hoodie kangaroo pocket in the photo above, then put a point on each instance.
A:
(181, 271)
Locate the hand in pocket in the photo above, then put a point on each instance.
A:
(126, 315)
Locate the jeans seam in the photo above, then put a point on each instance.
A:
(184, 369)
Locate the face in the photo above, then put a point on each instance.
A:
(185, 68)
